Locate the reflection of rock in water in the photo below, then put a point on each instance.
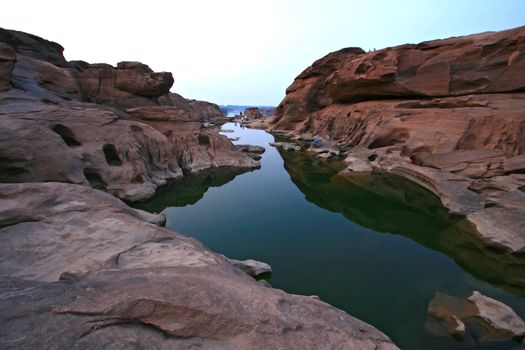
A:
(476, 320)
(189, 189)
(393, 204)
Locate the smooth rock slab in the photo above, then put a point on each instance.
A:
(126, 283)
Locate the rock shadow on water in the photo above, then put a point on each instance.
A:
(390, 203)
(189, 189)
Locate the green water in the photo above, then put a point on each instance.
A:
(377, 247)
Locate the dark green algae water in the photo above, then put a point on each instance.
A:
(377, 247)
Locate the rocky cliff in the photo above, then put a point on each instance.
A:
(79, 269)
(118, 129)
(446, 114)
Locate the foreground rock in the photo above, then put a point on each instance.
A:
(446, 114)
(478, 318)
(81, 270)
(118, 129)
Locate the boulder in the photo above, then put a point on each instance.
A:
(137, 78)
(130, 84)
(207, 112)
(485, 319)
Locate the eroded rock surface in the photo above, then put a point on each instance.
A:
(398, 201)
(477, 318)
(118, 129)
(81, 270)
(446, 114)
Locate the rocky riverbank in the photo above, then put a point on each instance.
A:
(445, 114)
(82, 270)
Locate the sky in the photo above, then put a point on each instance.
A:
(245, 51)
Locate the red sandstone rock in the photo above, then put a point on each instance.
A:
(139, 79)
(453, 105)
(35, 47)
(475, 64)
(488, 320)
(131, 84)
(49, 133)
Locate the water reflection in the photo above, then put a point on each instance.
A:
(395, 205)
(189, 189)
(327, 236)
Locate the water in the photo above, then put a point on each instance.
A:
(380, 255)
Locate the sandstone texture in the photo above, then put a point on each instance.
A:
(396, 201)
(79, 269)
(478, 319)
(446, 114)
(118, 129)
(82, 270)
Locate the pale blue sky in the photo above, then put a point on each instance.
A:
(242, 51)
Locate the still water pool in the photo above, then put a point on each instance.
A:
(379, 250)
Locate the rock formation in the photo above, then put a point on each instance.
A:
(118, 129)
(446, 114)
(252, 267)
(106, 278)
(79, 269)
(397, 201)
(477, 318)
(253, 113)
